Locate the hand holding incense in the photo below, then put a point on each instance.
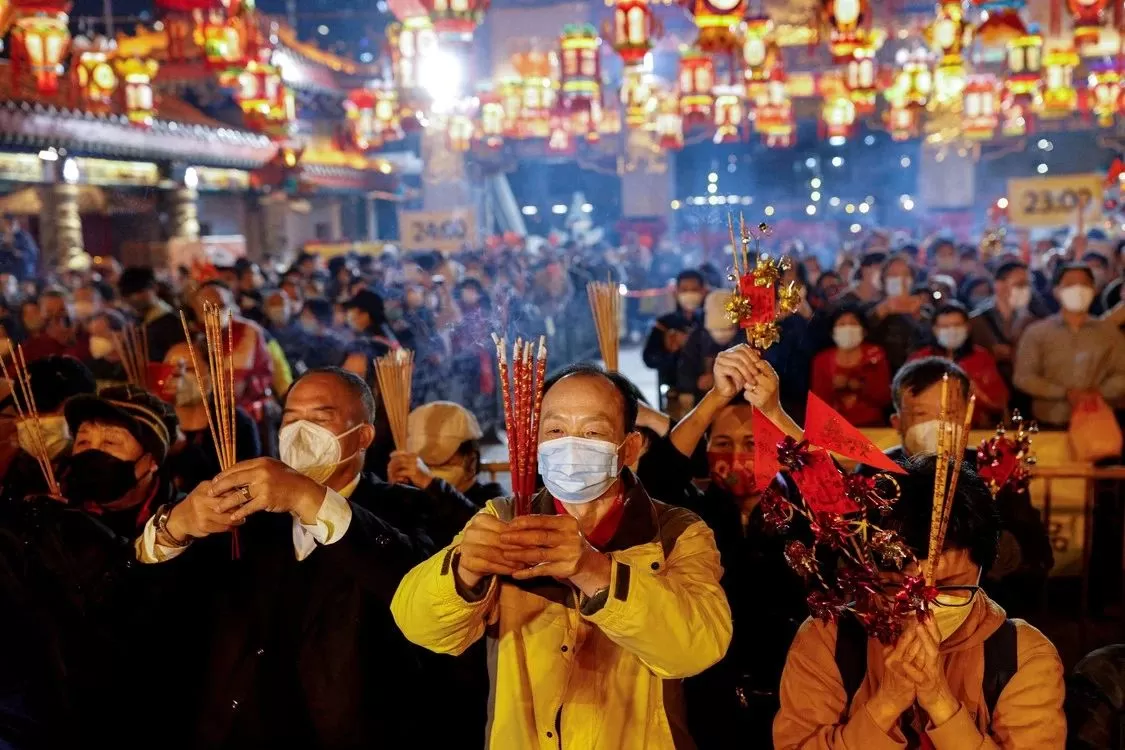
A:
(521, 387)
(23, 399)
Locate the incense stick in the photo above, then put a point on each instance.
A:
(395, 373)
(947, 470)
(605, 303)
(132, 350)
(521, 388)
(28, 413)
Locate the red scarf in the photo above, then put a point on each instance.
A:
(607, 527)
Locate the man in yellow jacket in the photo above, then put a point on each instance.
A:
(596, 605)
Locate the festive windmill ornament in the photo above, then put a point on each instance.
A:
(1004, 460)
(757, 304)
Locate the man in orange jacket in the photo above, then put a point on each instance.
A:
(968, 677)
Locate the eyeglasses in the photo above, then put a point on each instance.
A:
(967, 593)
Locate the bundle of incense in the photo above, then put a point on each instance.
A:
(132, 350)
(605, 303)
(521, 386)
(395, 372)
(947, 470)
(27, 412)
(219, 342)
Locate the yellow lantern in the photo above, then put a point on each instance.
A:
(40, 37)
(838, 116)
(136, 74)
(1024, 74)
(1104, 92)
(860, 80)
(759, 51)
(490, 132)
(774, 118)
(729, 114)
(93, 72)
(980, 108)
(537, 94)
(1060, 98)
(459, 131)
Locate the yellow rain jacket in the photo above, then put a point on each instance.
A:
(567, 671)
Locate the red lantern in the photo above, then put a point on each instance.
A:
(901, 122)
(717, 21)
(40, 38)
(580, 66)
(560, 140)
(981, 107)
(136, 75)
(838, 115)
(537, 94)
(634, 28)
(669, 123)
(456, 17)
(492, 121)
(859, 79)
(730, 112)
(359, 117)
(1087, 16)
(843, 18)
(697, 79)
(1104, 93)
(774, 118)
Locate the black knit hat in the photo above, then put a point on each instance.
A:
(146, 417)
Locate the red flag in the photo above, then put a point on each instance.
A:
(766, 437)
(822, 486)
(827, 429)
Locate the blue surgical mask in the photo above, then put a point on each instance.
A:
(577, 470)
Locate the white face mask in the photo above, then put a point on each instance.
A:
(1020, 297)
(923, 437)
(896, 286)
(1076, 298)
(952, 616)
(690, 301)
(847, 337)
(311, 449)
(577, 470)
(952, 338)
(53, 430)
(100, 347)
(723, 336)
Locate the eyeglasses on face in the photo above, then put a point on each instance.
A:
(968, 593)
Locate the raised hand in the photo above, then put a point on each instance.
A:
(266, 484)
(554, 546)
(481, 552)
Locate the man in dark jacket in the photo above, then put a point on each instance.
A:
(296, 640)
(670, 333)
(160, 324)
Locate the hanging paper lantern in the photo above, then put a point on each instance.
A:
(458, 18)
(537, 94)
(669, 123)
(510, 91)
(404, 9)
(981, 107)
(222, 42)
(838, 115)
(774, 117)
(859, 79)
(359, 120)
(93, 72)
(718, 22)
(1087, 17)
(410, 43)
(634, 28)
(1060, 98)
(1000, 22)
(459, 132)
(136, 74)
(580, 66)
(1104, 92)
(560, 140)
(636, 97)
(902, 122)
(843, 18)
(949, 35)
(730, 112)
(1024, 75)
(914, 81)
(759, 55)
(697, 79)
(40, 38)
(492, 121)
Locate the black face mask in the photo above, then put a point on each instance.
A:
(96, 477)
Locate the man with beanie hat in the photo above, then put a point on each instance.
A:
(160, 324)
(54, 379)
(121, 438)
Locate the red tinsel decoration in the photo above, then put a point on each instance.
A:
(825, 606)
(801, 559)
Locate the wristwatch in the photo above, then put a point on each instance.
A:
(163, 513)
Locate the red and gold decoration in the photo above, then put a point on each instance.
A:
(40, 37)
(844, 19)
(730, 113)
(136, 77)
(842, 512)
(490, 121)
(949, 34)
(1103, 92)
(537, 95)
(1000, 22)
(1060, 97)
(521, 388)
(860, 79)
(266, 102)
(838, 116)
(456, 17)
(1087, 17)
(981, 107)
(1004, 460)
(760, 54)
(774, 119)
(669, 123)
(93, 73)
(718, 22)
(757, 303)
(697, 81)
(633, 31)
(580, 70)
(371, 118)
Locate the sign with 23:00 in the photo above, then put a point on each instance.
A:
(1054, 201)
(447, 231)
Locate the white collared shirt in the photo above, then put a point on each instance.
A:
(332, 522)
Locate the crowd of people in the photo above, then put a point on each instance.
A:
(332, 590)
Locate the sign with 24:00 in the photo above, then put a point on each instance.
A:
(447, 231)
(1054, 201)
